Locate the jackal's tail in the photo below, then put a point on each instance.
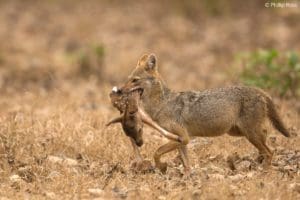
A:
(275, 118)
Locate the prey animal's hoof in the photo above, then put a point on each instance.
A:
(162, 167)
(142, 166)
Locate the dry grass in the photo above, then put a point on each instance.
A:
(53, 142)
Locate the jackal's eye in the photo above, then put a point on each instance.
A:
(135, 79)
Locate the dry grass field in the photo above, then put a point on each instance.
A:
(59, 61)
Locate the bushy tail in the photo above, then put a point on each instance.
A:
(275, 118)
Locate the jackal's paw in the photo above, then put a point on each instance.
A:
(162, 167)
(187, 174)
(142, 166)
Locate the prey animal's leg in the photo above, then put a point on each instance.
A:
(136, 151)
(115, 120)
(147, 120)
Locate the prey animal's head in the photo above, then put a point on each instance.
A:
(127, 103)
(118, 99)
(145, 77)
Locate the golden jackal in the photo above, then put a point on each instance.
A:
(238, 111)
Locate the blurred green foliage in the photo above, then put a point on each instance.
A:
(88, 60)
(271, 70)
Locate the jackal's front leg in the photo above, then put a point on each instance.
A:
(172, 145)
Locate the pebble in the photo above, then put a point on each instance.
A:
(95, 192)
(15, 178)
(216, 176)
(63, 161)
(236, 177)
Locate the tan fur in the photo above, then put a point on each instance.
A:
(237, 110)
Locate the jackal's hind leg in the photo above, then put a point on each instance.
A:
(185, 161)
(258, 138)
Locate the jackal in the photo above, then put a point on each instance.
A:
(236, 110)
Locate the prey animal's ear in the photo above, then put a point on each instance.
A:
(115, 120)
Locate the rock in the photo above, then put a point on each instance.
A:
(250, 174)
(70, 162)
(53, 174)
(162, 198)
(95, 192)
(236, 177)
(15, 178)
(216, 176)
(243, 165)
(216, 169)
(63, 161)
(50, 195)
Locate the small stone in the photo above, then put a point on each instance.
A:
(50, 195)
(244, 165)
(216, 169)
(250, 174)
(63, 161)
(236, 177)
(54, 159)
(162, 198)
(216, 176)
(70, 162)
(15, 178)
(95, 192)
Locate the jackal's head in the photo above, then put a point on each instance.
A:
(145, 77)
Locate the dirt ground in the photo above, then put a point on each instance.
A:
(59, 61)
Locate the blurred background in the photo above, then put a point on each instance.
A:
(199, 44)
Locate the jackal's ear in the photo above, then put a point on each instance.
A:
(148, 62)
(142, 61)
(151, 63)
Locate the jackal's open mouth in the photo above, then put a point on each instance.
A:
(138, 89)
